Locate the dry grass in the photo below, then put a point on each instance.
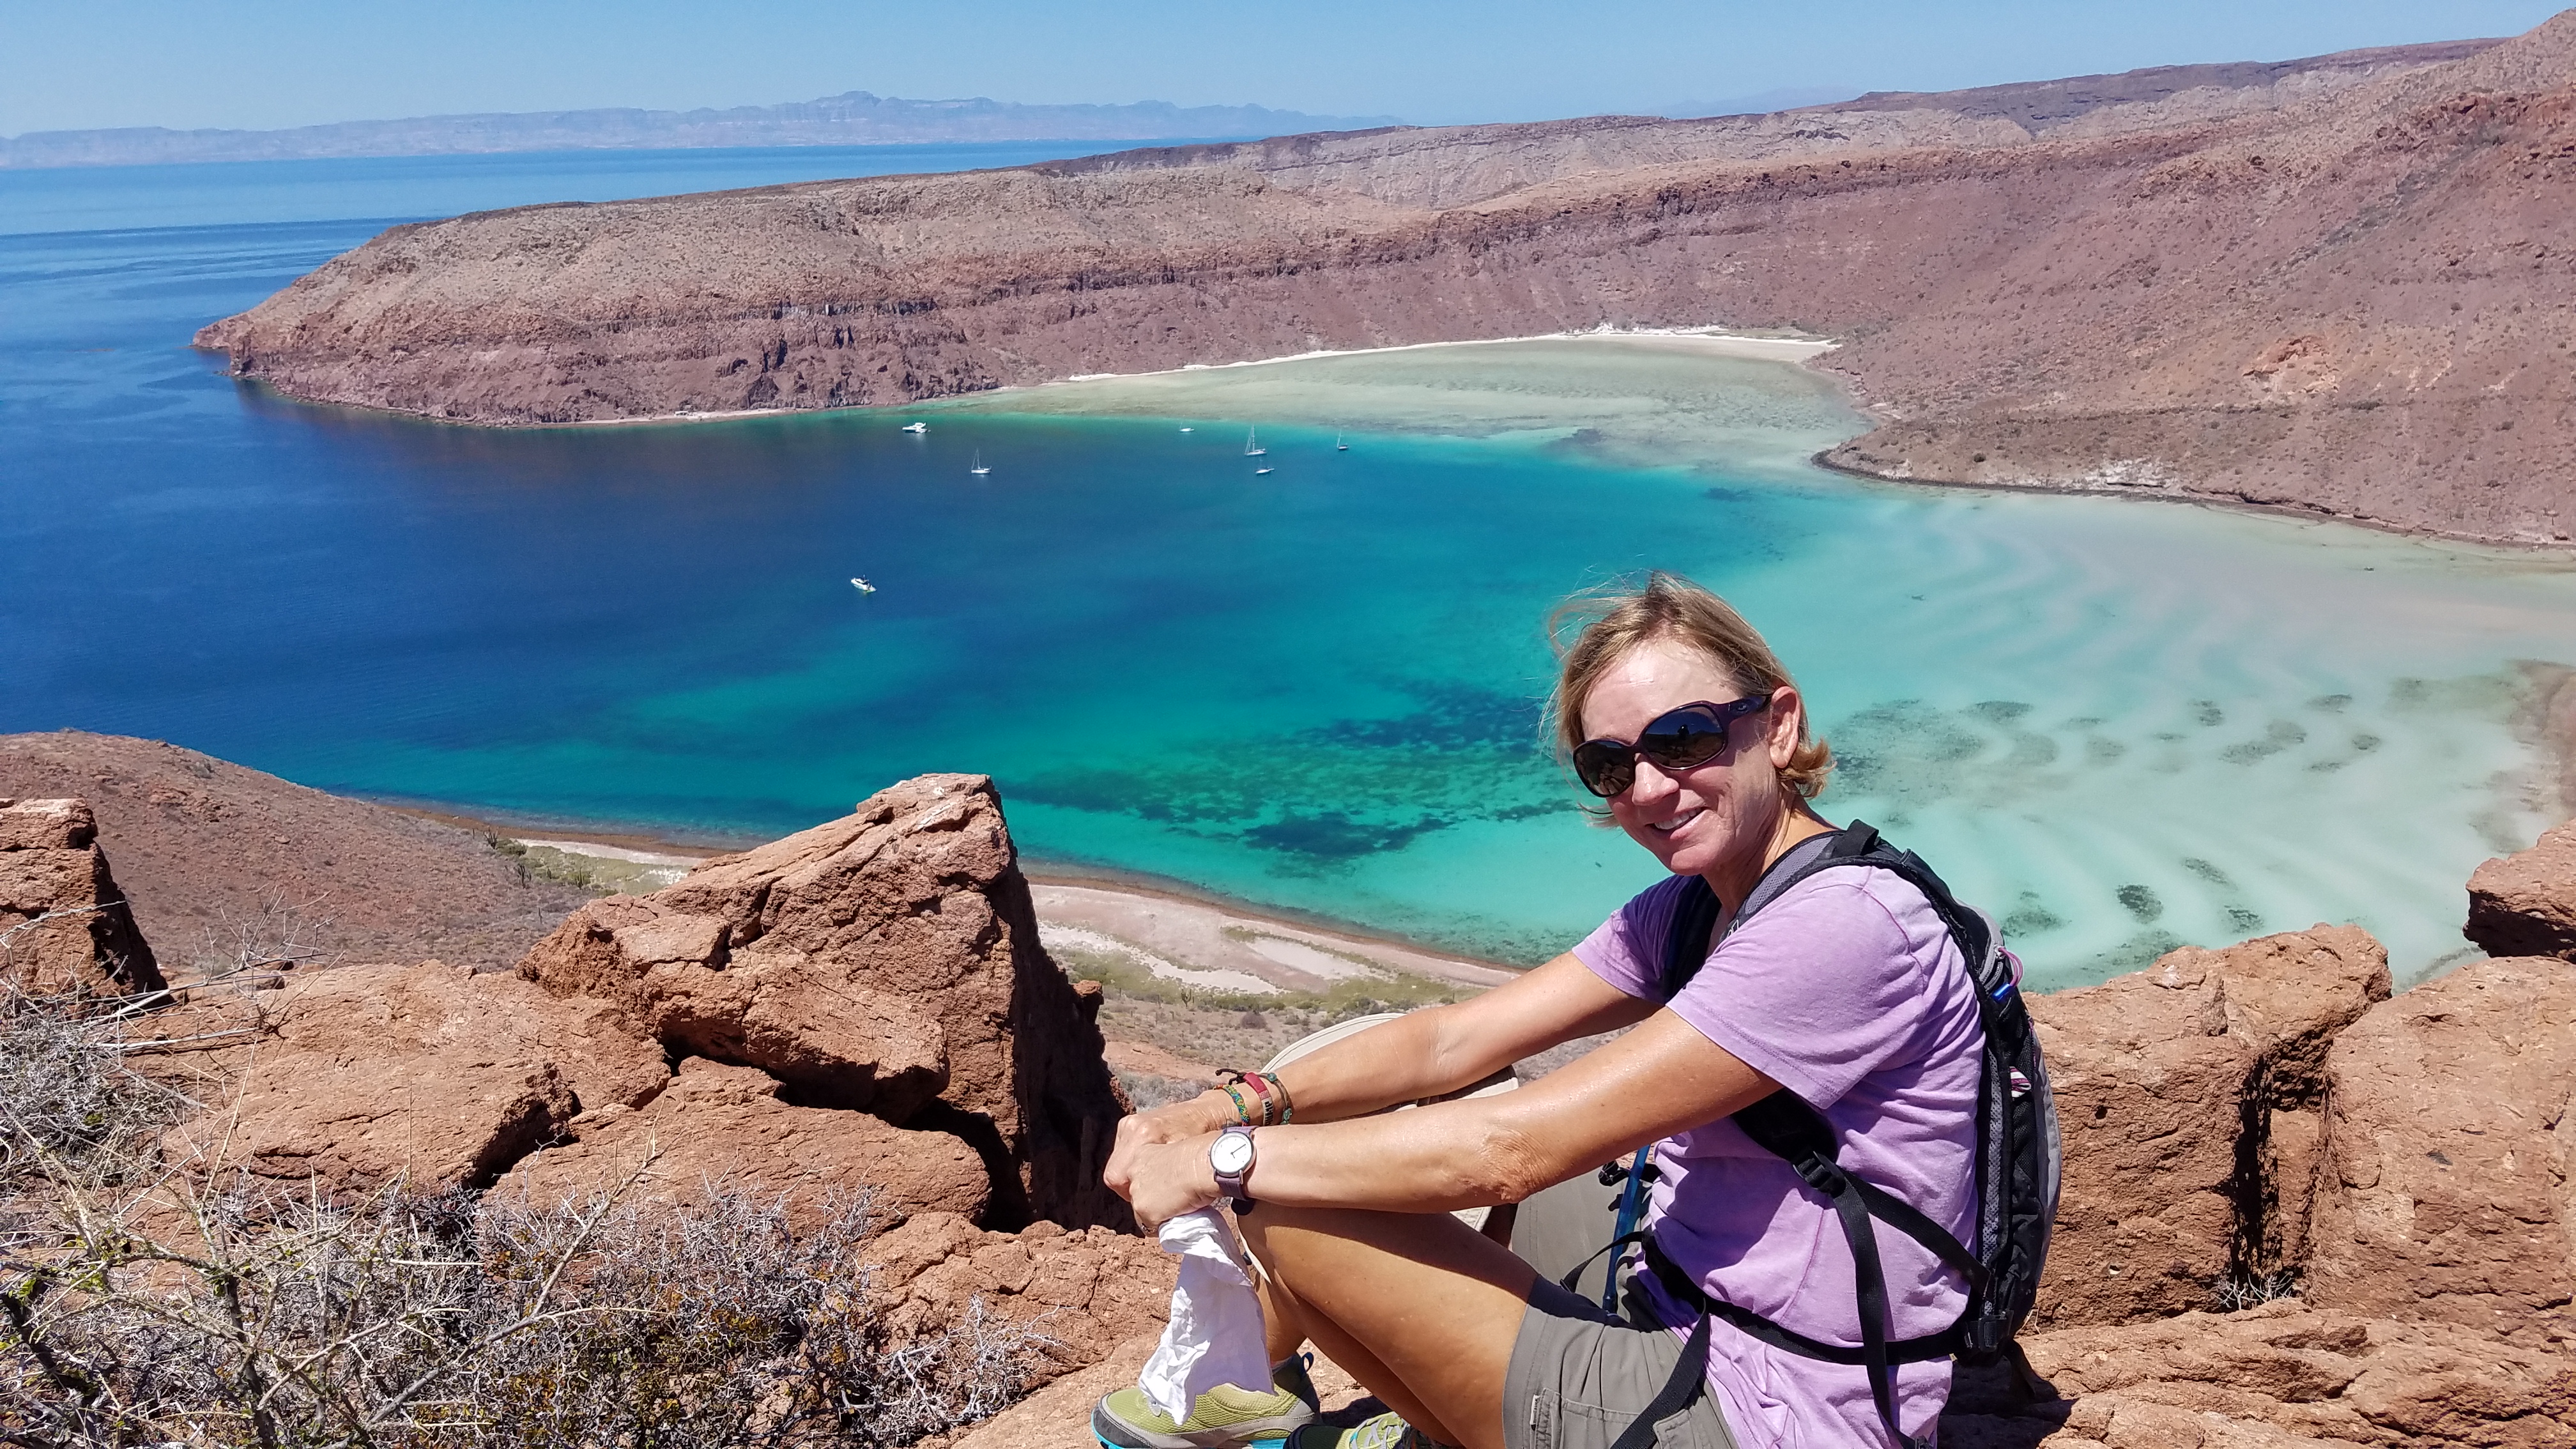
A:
(150, 1301)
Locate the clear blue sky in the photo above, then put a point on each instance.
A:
(262, 63)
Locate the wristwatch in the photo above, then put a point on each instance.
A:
(1231, 1155)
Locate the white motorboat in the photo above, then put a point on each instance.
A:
(916, 428)
(1251, 444)
(1185, 430)
(1257, 472)
(863, 586)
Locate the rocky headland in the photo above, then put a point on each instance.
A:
(2299, 1210)
(2339, 285)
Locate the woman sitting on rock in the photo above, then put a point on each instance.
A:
(1846, 989)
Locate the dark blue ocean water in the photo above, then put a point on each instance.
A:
(2121, 726)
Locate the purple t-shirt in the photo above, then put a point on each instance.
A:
(1847, 990)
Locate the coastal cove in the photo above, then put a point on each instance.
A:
(1313, 691)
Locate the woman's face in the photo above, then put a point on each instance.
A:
(1713, 816)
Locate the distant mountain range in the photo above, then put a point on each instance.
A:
(855, 118)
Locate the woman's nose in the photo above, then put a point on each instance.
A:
(1651, 785)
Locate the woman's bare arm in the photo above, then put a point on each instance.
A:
(1660, 1079)
(1428, 1053)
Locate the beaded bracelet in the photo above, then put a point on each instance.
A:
(1267, 1090)
(1242, 1110)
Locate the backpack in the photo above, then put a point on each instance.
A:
(2017, 1156)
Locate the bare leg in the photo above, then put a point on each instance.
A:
(1418, 1306)
(1283, 1327)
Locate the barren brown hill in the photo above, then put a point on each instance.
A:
(2346, 286)
(218, 858)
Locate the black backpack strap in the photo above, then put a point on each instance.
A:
(1686, 941)
(1784, 1125)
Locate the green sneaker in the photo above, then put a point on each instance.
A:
(1224, 1416)
(1385, 1431)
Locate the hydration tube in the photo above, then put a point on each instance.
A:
(1632, 1206)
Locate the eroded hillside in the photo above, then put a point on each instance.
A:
(2345, 285)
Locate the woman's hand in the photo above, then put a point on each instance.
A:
(1167, 1179)
(1180, 1122)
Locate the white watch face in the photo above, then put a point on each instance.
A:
(1232, 1153)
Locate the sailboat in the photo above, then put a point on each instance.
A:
(1252, 448)
(863, 586)
(979, 470)
(916, 428)
(1338, 445)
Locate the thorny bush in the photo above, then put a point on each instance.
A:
(147, 1302)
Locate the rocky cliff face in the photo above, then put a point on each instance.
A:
(888, 963)
(2341, 289)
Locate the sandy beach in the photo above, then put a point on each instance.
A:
(1710, 341)
(1191, 942)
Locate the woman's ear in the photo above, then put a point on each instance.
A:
(1787, 715)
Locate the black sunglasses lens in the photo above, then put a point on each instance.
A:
(1682, 739)
(1605, 769)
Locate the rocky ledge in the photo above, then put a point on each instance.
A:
(2339, 286)
(2299, 1210)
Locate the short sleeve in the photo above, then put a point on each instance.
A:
(1825, 985)
(1627, 950)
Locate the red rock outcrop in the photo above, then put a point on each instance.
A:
(65, 928)
(218, 858)
(2524, 904)
(2188, 1094)
(887, 961)
(1088, 1290)
(2355, 304)
(726, 1126)
(2449, 1190)
(2282, 1376)
(354, 1075)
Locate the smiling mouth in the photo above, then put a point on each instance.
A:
(1669, 826)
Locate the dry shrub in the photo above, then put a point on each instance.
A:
(150, 1302)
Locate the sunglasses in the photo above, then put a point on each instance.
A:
(1677, 739)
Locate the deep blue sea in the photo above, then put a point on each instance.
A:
(2120, 725)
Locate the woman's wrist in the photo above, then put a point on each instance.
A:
(1223, 1110)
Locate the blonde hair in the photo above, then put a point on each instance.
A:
(1614, 622)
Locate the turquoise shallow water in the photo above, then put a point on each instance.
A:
(2121, 726)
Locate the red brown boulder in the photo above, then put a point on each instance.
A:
(2187, 1095)
(65, 929)
(724, 1126)
(887, 961)
(1088, 1290)
(429, 1071)
(2450, 1185)
(2524, 904)
(2282, 1376)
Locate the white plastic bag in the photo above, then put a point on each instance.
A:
(1215, 1336)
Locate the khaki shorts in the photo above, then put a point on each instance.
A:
(1579, 1376)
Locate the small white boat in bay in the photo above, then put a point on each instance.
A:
(1251, 444)
(1264, 468)
(1338, 445)
(979, 470)
(916, 428)
(863, 586)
